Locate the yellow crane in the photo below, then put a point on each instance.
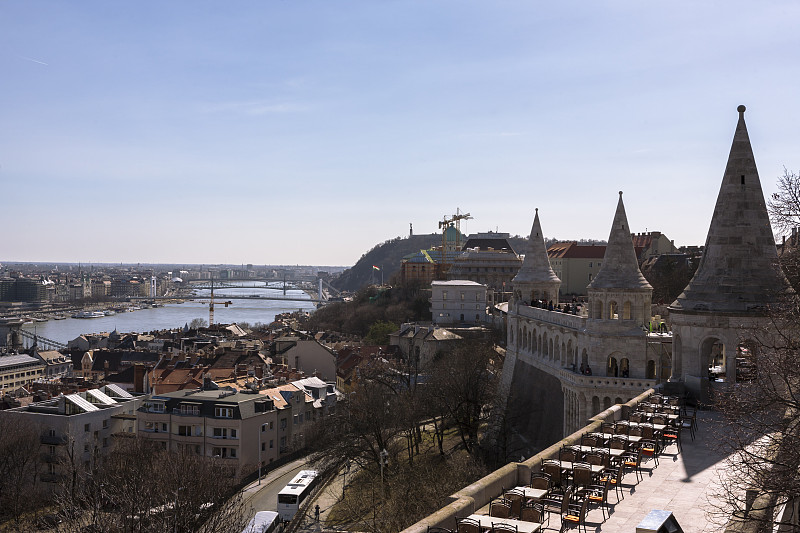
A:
(211, 304)
(446, 222)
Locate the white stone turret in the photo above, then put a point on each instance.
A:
(620, 291)
(536, 279)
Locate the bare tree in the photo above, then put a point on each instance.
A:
(464, 381)
(140, 488)
(20, 466)
(784, 205)
(761, 422)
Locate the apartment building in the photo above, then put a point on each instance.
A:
(241, 427)
(76, 428)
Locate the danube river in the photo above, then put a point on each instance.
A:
(176, 315)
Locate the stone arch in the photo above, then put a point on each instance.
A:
(584, 358)
(564, 354)
(550, 349)
(618, 400)
(624, 367)
(613, 310)
(525, 337)
(597, 309)
(626, 310)
(539, 347)
(651, 369)
(712, 357)
(595, 405)
(606, 403)
(544, 344)
(557, 349)
(612, 368)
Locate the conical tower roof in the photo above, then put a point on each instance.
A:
(536, 266)
(739, 270)
(620, 268)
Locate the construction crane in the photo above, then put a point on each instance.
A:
(211, 304)
(446, 222)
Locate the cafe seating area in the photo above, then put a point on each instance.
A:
(583, 482)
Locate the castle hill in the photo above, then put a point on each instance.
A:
(446, 382)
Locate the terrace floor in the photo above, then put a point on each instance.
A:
(683, 483)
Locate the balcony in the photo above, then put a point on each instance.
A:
(53, 440)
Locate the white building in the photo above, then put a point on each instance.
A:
(458, 302)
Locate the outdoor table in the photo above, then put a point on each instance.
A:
(486, 522)
(531, 493)
(596, 469)
(629, 438)
(613, 452)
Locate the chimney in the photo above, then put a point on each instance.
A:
(138, 377)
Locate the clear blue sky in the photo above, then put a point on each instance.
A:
(287, 132)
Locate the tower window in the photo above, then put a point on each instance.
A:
(743, 179)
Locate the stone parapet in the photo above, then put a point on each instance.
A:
(474, 496)
(557, 318)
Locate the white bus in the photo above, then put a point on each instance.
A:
(295, 492)
(264, 522)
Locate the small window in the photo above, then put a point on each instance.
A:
(223, 412)
(270, 443)
(105, 423)
(87, 428)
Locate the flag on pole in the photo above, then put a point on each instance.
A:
(375, 267)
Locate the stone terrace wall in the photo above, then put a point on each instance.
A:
(473, 497)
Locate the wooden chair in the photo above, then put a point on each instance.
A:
(649, 448)
(686, 423)
(575, 515)
(589, 440)
(532, 511)
(553, 469)
(468, 525)
(632, 460)
(636, 417)
(567, 454)
(614, 477)
(581, 475)
(622, 428)
(516, 497)
(556, 503)
(540, 480)
(608, 428)
(503, 528)
(597, 457)
(672, 434)
(500, 508)
(597, 494)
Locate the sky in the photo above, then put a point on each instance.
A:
(306, 132)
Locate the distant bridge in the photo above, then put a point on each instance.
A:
(219, 297)
(42, 341)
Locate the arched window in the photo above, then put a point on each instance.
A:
(626, 311)
(606, 402)
(598, 309)
(612, 310)
(612, 370)
(595, 405)
(624, 367)
(651, 369)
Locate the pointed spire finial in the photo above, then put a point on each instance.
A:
(741, 109)
(620, 194)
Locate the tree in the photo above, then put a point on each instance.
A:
(19, 468)
(760, 430)
(784, 205)
(379, 332)
(139, 487)
(464, 382)
(197, 323)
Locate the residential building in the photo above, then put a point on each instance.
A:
(239, 427)
(421, 343)
(18, 370)
(458, 302)
(76, 428)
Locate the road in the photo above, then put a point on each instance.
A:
(265, 498)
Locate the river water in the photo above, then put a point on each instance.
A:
(176, 315)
